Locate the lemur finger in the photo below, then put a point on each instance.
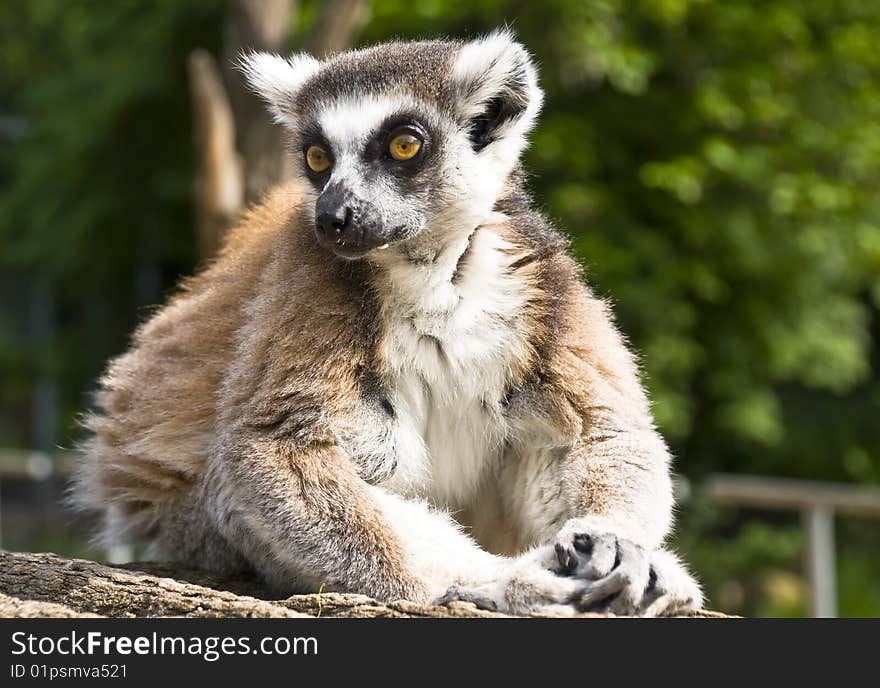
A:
(598, 595)
(583, 543)
(620, 592)
(634, 571)
(671, 589)
(661, 602)
(658, 607)
(597, 554)
(664, 602)
(567, 557)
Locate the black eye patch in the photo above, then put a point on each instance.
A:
(401, 119)
(377, 147)
(313, 135)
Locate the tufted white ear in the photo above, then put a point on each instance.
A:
(495, 89)
(277, 79)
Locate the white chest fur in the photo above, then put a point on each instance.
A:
(447, 352)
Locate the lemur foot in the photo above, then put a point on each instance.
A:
(623, 578)
(525, 586)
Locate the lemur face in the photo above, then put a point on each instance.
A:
(405, 144)
(379, 165)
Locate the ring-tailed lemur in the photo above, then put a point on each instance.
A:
(392, 340)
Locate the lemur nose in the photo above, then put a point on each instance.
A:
(346, 224)
(332, 222)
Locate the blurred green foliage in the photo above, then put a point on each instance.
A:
(716, 165)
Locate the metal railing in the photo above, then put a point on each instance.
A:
(24, 464)
(817, 502)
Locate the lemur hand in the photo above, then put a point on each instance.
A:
(523, 585)
(621, 577)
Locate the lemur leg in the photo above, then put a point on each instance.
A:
(304, 518)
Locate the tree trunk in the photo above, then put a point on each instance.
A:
(264, 26)
(338, 24)
(242, 152)
(219, 186)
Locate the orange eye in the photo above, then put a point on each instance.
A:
(404, 147)
(318, 159)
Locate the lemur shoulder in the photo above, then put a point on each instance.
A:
(393, 380)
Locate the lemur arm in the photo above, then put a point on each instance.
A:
(617, 470)
(617, 476)
(616, 481)
(601, 494)
(604, 505)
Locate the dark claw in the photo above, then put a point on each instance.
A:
(567, 558)
(583, 543)
(562, 556)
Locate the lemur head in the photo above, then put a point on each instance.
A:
(406, 144)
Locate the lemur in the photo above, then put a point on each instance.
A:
(393, 380)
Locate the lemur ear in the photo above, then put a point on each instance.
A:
(495, 89)
(277, 79)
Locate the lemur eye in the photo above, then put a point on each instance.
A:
(318, 159)
(404, 147)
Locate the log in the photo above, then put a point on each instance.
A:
(29, 609)
(46, 585)
(88, 587)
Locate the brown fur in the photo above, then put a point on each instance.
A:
(250, 423)
(251, 343)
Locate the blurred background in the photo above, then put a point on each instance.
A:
(716, 165)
